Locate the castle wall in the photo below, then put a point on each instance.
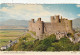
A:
(68, 26)
(50, 28)
(56, 25)
(32, 25)
(37, 27)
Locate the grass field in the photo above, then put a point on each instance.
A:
(4, 42)
(6, 35)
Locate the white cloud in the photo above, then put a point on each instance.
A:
(78, 14)
(78, 5)
(26, 11)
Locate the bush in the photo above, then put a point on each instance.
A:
(9, 49)
(40, 47)
(76, 47)
(19, 46)
(36, 43)
(29, 37)
(51, 49)
(49, 40)
(34, 33)
(48, 44)
(57, 46)
(64, 40)
(29, 47)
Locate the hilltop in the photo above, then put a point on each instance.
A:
(28, 43)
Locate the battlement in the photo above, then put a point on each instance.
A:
(57, 19)
(54, 19)
(39, 19)
(57, 24)
(32, 20)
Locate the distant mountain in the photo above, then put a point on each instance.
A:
(76, 23)
(12, 27)
(13, 24)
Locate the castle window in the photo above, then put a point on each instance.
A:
(39, 28)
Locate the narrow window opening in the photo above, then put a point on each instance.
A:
(39, 28)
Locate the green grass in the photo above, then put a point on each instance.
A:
(4, 42)
(34, 33)
(9, 33)
(6, 35)
(28, 37)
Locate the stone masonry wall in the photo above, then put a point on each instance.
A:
(57, 24)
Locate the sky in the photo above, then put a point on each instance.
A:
(34, 11)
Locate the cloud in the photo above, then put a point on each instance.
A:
(78, 14)
(22, 11)
(78, 5)
(27, 12)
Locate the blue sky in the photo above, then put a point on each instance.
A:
(27, 11)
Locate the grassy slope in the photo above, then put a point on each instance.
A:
(48, 44)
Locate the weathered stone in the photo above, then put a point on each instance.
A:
(57, 24)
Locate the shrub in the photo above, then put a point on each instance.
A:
(19, 46)
(49, 40)
(51, 49)
(34, 33)
(57, 46)
(70, 35)
(40, 47)
(76, 47)
(64, 40)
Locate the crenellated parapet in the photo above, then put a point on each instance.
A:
(39, 19)
(58, 19)
(32, 20)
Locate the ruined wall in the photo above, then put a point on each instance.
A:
(37, 27)
(69, 26)
(32, 25)
(50, 28)
(57, 24)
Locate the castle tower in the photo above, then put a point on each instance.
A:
(31, 25)
(39, 19)
(57, 18)
(69, 26)
(52, 19)
(32, 20)
(61, 17)
(62, 20)
(39, 27)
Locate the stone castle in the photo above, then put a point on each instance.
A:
(58, 26)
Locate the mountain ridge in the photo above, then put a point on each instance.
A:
(14, 24)
(24, 23)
